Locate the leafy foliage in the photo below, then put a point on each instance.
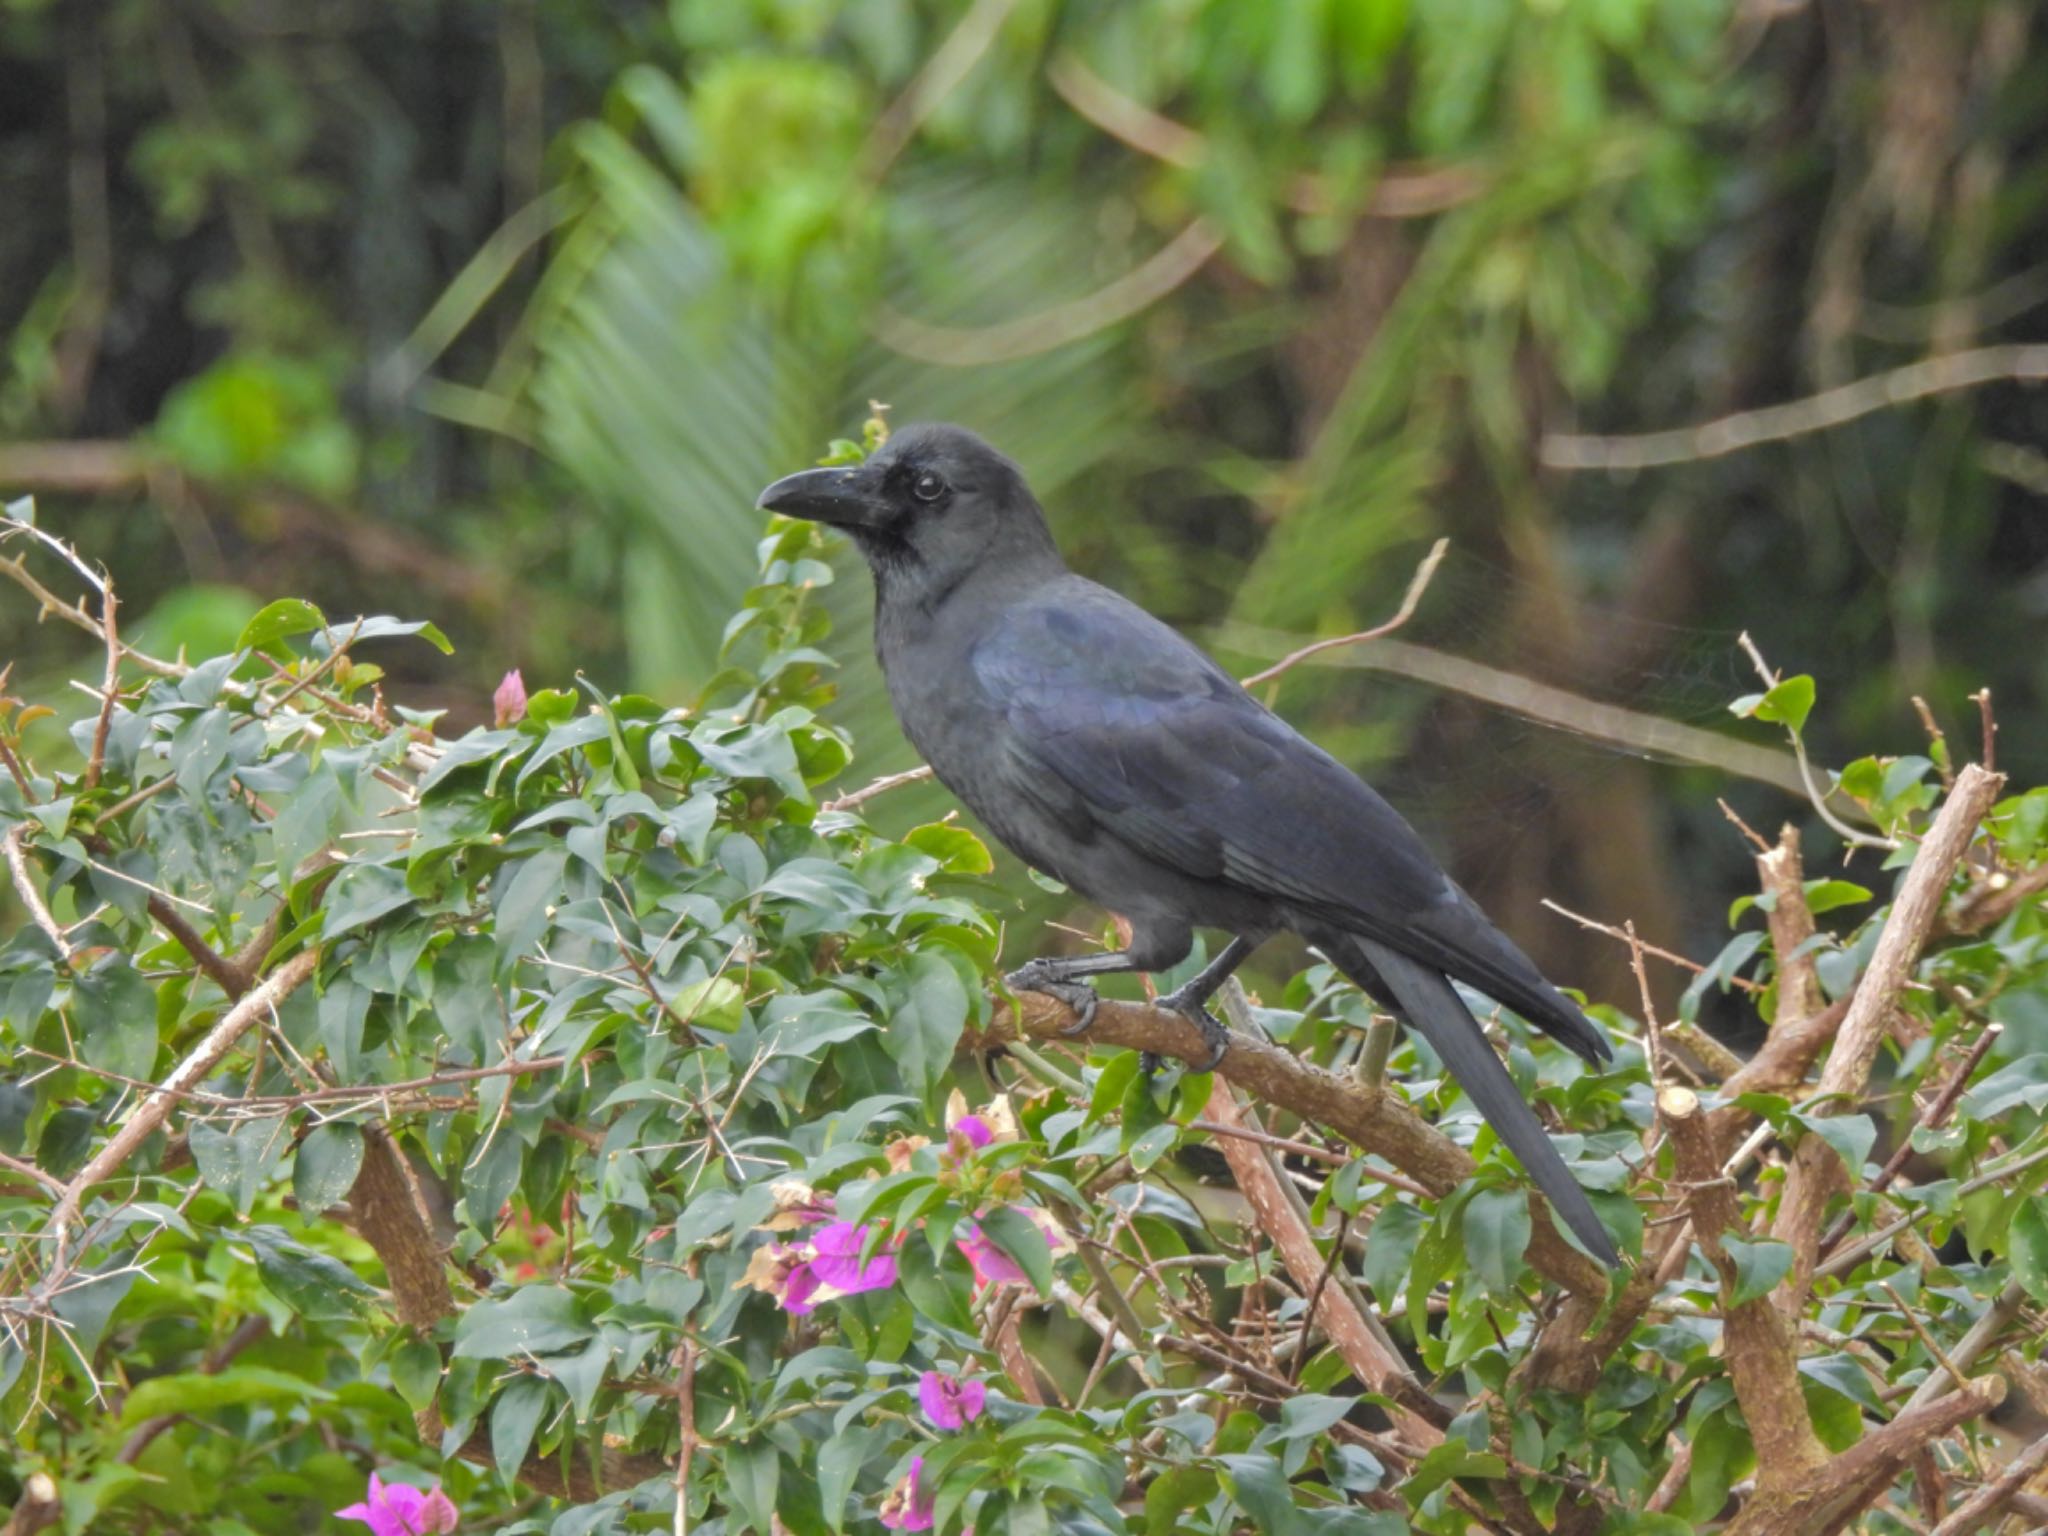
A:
(644, 1124)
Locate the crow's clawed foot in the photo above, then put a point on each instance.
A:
(1196, 1010)
(1039, 976)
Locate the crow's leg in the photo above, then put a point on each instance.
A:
(1191, 998)
(1151, 949)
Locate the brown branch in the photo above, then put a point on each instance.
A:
(1843, 1488)
(1784, 880)
(1415, 1413)
(38, 1506)
(1990, 902)
(1375, 1120)
(388, 1207)
(156, 1107)
(1975, 1513)
(1932, 1117)
(1417, 585)
(219, 970)
(1762, 1353)
(1138, 289)
(1815, 1174)
(1817, 413)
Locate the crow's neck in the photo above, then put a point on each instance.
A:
(914, 600)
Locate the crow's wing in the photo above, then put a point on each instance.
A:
(1114, 713)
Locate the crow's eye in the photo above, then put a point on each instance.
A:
(928, 487)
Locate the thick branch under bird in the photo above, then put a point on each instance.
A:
(1109, 752)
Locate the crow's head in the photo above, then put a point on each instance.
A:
(934, 500)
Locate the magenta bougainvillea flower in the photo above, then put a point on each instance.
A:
(991, 1265)
(907, 1506)
(800, 1275)
(396, 1509)
(836, 1261)
(949, 1401)
(508, 704)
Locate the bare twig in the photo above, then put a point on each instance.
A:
(25, 888)
(1816, 793)
(1138, 289)
(156, 1107)
(880, 786)
(1816, 413)
(1546, 705)
(1401, 192)
(940, 76)
(1977, 1511)
(1417, 585)
(111, 688)
(1626, 936)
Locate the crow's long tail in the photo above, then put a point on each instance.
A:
(1429, 1004)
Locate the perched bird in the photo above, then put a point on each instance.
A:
(1107, 751)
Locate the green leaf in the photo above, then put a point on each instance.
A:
(1788, 703)
(1011, 1230)
(326, 1167)
(1497, 1226)
(534, 1320)
(314, 1285)
(281, 620)
(1389, 1248)
(1852, 1136)
(1759, 1266)
(1256, 1482)
(238, 1162)
(1452, 1459)
(2027, 1239)
(958, 850)
(114, 1013)
(198, 1392)
(926, 1023)
(360, 895)
(515, 1415)
(416, 1372)
(840, 1460)
(1826, 895)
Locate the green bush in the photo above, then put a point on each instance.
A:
(581, 1109)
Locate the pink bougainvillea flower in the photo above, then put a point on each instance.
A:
(991, 1265)
(396, 1509)
(950, 1402)
(994, 1121)
(907, 1506)
(835, 1260)
(508, 704)
(783, 1271)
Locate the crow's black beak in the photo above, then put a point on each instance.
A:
(839, 496)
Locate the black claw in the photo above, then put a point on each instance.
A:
(1077, 995)
(1212, 1028)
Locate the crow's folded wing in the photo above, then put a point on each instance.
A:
(1113, 711)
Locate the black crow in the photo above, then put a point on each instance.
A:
(1107, 751)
